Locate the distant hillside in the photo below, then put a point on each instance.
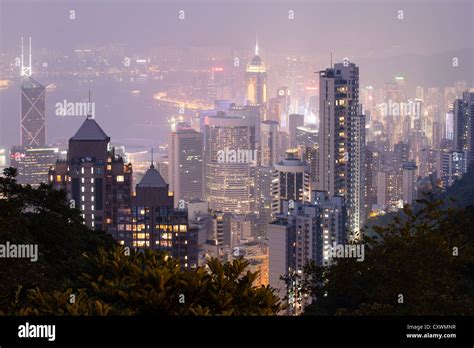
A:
(460, 194)
(462, 191)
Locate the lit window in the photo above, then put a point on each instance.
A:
(92, 180)
(82, 187)
(92, 189)
(82, 180)
(109, 167)
(82, 170)
(83, 198)
(92, 170)
(83, 207)
(58, 178)
(92, 198)
(120, 178)
(92, 207)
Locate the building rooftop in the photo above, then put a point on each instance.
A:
(90, 130)
(29, 83)
(152, 178)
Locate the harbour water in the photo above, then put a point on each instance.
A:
(124, 108)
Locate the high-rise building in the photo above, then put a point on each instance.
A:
(389, 189)
(269, 143)
(97, 180)
(230, 153)
(303, 232)
(451, 166)
(186, 165)
(342, 139)
(291, 181)
(3, 160)
(256, 80)
(33, 107)
(275, 110)
(281, 252)
(463, 128)
(306, 135)
(283, 95)
(408, 182)
(33, 163)
(157, 225)
(372, 166)
(294, 121)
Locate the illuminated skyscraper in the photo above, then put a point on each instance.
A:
(294, 121)
(291, 181)
(230, 153)
(256, 80)
(270, 143)
(408, 183)
(33, 107)
(303, 232)
(97, 181)
(464, 128)
(33, 163)
(157, 225)
(342, 139)
(186, 174)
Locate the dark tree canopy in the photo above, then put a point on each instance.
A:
(426, 256)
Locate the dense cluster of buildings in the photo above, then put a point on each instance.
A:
(259, 180)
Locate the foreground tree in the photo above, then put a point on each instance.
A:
(152, 283)
(44, 218)
(422, 263)
(83, 272)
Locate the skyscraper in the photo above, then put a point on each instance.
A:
(303, 232)
(186, 170)
(157, 225)
(97, 180)
(463, 128)
(33, 107)
(256, 80)
(270, 143)
(408, 182)
(342, 139)
(291, 181)
(229, 182)
(294, 121)
(33, 163)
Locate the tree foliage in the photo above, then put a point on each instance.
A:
(43, 217)
(425, 255)
(84, 272)
(152, 283)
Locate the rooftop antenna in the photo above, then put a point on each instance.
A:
(89, 115)
(152, 165)
(25, 70)
(331, 61)
(256, 45)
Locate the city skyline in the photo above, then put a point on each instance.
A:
(238, 158)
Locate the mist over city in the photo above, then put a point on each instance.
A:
(237, 158)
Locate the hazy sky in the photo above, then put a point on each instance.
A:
(420, 46)
(347, 28)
